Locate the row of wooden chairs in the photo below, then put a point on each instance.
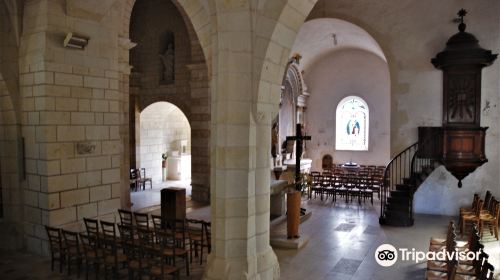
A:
(456, 269)
(198, 231)
(371, 170)
(137, 249)
(347, 186)
(485, 213)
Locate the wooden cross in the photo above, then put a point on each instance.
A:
(298, 150)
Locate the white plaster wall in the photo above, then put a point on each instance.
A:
(440, 195)
(162, 126)
(335, 76)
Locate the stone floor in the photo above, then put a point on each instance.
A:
(151, 196)
(343, 241)
(344, 237)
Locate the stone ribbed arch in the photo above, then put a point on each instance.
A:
(276, 32)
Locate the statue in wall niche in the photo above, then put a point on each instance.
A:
(167, 58)
(274, 139)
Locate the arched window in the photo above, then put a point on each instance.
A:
(352, 124)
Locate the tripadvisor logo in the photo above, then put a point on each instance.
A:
(387, 255)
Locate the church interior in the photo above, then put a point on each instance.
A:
(268, 139)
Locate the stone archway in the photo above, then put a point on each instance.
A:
(190, 88)
(164, 130)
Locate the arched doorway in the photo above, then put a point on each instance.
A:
(168, 65)
(164, 136)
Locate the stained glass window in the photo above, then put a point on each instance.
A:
(352, 124)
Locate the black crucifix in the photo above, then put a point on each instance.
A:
(298, 151)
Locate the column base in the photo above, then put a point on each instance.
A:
(264, 266)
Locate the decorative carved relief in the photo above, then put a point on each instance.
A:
(85, 148)
(461, 99)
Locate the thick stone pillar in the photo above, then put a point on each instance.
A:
(74, 116)
(239, 158)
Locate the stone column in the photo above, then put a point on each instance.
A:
(200, 132)
(240, 157)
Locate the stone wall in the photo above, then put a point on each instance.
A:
(162, 127)
(71, 116)
(150, 21)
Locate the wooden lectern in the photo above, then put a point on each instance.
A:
(173, 204)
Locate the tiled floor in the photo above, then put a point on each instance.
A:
(344, 238)
(343, 241)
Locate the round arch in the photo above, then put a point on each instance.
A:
(195, 15)
(164, 128)
(180, 104)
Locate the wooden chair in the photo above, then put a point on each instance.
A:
(442, 241)
(208, 235)
(437, 244)
(365, 188)
(342, 187)
(126, 217)
(376, 183)
(113, 259)
(487, 200)
(74, 252)
(316, 184)
(471, 209)
(57, 248)
(475, 269)
(91, 254)
(490, 220)
(92, 227)
(143, 179)
(443, 266)
(108, 231)
(353, 187)
(179, 250)
(137, 265)
(448, 274)
(487, 272)
(141, 220)
(157, 267)
(196, 234)
(133, 179)
(326, 182)
(466, 217)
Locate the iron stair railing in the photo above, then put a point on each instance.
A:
(397, 169)
(415, 160)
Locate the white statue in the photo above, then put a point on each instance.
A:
(168, 63)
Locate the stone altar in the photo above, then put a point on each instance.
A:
(289, 174)
(278, 205)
